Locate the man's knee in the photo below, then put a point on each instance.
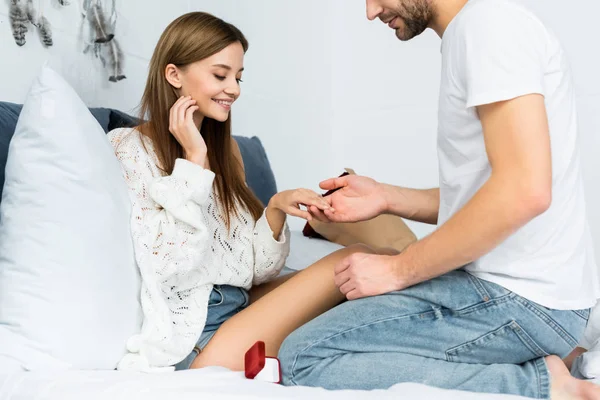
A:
(300, 353)
(288, 353)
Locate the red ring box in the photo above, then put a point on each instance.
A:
(258, 366)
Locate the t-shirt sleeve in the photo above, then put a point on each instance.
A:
(502, 50)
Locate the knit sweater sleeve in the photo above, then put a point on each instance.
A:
(170, 242)
(269, 254)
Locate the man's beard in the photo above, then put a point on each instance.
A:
(416, 15)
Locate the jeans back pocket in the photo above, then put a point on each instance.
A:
(509, 344)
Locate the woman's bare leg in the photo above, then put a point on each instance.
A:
(277, 313)
(259, 291)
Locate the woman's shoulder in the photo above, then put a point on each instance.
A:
(130, 143)
(119, 136)
(130, 139)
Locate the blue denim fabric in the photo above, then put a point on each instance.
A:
(224, 302)
(454, 332)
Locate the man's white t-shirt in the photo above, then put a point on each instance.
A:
(496, 50)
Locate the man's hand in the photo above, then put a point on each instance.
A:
(358, 199)
(362, 275)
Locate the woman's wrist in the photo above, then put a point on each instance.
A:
(274, 208)
(273, 203)
(197, 157)
(275, 217)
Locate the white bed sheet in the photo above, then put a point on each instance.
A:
(209, 383)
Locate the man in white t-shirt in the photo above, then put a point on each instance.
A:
(504, 285)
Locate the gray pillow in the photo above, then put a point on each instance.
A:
(259, 174)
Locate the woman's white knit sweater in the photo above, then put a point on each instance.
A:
(183, 248)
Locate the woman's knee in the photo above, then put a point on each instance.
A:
(360, 248)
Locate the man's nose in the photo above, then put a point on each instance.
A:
(373, 9)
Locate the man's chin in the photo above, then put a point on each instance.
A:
(401, 35)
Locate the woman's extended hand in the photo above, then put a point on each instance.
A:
(290, 202)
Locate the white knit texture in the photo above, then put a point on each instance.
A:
(183, 248)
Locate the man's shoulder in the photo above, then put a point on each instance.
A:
(496, 8)
(496, 15)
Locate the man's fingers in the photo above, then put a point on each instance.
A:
(341, 279)
(334, 216)
(333, 183)
(347, 288)
(328, 184)
(354, 294)
(318, 214)
(342, 266)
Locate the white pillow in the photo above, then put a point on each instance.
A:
(69, 285)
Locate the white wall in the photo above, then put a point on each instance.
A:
(138, 28)
(286, 100)
(324, 88)
(385, 95)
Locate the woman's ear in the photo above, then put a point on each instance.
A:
(173, 76)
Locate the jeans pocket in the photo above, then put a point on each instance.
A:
(585, 314)
(509, 344)
(216, 297)
(246, 296)
(488, 290)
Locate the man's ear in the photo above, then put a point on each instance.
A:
(173, 76)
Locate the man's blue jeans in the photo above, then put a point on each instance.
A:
(454, 332)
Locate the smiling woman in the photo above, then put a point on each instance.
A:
(209, 252)
(205, 75)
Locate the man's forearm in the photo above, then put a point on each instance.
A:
(420, 205)
(495, 212)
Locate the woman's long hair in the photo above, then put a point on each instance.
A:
(191, 38)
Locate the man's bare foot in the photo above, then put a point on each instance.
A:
(568, 360)
(566, 387)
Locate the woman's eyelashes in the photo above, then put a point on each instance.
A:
(222, 78)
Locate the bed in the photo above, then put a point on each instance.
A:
(214, 383)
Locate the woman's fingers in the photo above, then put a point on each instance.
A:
(189, 113)
(181, 112)
(318, 214)
(296, 212)
(177, 114)
(174, 113)
(310, 198)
